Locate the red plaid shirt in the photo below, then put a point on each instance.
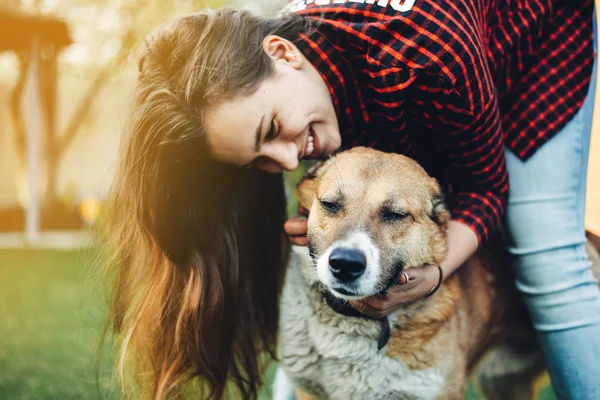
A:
(450, 82)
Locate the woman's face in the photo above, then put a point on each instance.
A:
(288, 118)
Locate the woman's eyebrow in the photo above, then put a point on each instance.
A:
(258, 134)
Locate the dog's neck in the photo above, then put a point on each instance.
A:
(343, 307)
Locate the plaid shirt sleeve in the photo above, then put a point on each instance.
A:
(467, 129)
(475, 157)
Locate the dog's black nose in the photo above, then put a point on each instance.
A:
(347, 264)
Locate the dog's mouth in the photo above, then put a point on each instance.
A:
(339, 305)
(394, 278)
(345, 291)
(354, 290)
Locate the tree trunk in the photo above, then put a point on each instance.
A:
(16, 111)
(19, 130)
(48, 84)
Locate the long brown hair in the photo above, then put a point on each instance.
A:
(195, 248)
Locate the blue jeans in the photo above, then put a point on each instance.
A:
(546, 237)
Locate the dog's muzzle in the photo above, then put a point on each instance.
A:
(347, 265)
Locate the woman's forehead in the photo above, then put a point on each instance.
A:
(231, 127)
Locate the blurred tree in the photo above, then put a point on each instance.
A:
(39, 38)
(105, 33)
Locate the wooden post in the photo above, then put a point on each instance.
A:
(33, 115)
(48, 81)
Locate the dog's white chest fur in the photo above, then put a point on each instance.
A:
(335, 356)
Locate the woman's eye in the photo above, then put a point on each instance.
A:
(390, 216)
(272, 133)
(330, 206)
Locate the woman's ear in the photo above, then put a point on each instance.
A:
(280, 49)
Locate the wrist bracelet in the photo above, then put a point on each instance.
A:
(435, 289)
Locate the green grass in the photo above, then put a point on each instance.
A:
(51, 315)
(51, 320)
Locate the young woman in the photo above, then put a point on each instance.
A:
(196, 224)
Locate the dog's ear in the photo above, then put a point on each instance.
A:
(438, 212)
(307, 188)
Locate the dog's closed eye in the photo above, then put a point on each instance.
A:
(331, 207)
(391, 216)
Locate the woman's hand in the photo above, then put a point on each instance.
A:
(297, 227)
(414, 284)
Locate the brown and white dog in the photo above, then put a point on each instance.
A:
(371, 215)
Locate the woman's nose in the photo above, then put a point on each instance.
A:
(289, 157)
(286, 155)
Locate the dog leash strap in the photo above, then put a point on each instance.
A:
(384, 334)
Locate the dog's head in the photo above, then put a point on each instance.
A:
(371, 214)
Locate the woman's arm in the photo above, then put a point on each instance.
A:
(462, 243)
(461, 121)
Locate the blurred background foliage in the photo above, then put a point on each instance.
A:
(95, 75)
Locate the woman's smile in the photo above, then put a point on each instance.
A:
(288, 118)
(313, 145)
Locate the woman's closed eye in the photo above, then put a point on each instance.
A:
(273, 132)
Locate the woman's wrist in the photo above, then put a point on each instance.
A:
(462, 244)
